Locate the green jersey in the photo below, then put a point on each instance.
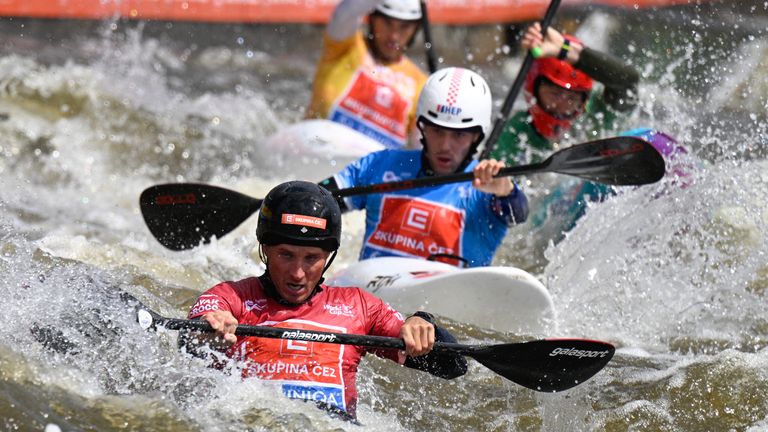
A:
(616, 92)
(520, 143)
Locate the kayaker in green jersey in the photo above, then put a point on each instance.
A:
(560, 89)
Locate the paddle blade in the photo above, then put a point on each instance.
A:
(615, 161)
(182, 215)
(550, 365)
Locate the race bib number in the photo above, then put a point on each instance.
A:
(418, 228)
(306, 369)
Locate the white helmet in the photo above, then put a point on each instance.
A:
(406, 10)
(456, 98)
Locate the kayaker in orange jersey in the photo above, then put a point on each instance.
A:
(299, 232)
(465, 220)
(365, 81)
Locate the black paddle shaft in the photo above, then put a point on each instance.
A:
(509, 101)
(183, 215)
(549, 365)
(619, 161)
(428, 45)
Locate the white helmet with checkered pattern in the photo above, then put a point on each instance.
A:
(456, 98)
(406, 10)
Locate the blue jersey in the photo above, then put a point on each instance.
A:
(454, 219)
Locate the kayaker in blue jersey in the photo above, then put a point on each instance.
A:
(468, 220)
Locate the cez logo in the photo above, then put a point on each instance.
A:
(417, 219)
(445, 109)
(296, 348)
(384, 96)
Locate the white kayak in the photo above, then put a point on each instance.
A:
(315, 149)
(498, 298)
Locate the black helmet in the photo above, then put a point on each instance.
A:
(300, 213)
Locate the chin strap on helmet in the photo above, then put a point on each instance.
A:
(561, 74)
(299, 213)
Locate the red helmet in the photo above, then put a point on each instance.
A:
(562, 74)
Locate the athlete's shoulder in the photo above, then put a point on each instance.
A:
(352, 293)
(385, 158)
(243, 287)
(414, 70)
(409, 154)
(342, 291)
(336, 48)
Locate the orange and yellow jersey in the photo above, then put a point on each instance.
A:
(353, 89)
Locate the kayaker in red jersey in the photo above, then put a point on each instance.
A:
(299, 231)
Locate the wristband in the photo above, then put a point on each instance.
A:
(426, 316)
(564, 49)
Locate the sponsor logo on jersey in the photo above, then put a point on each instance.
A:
(417, 227)
(206, 303)
(464, 191)
(305, 368)
(296, 348)
(258, 304)
(389, 110)
(339, 309)
(418, 219)
(333, 396)
(384, 97)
